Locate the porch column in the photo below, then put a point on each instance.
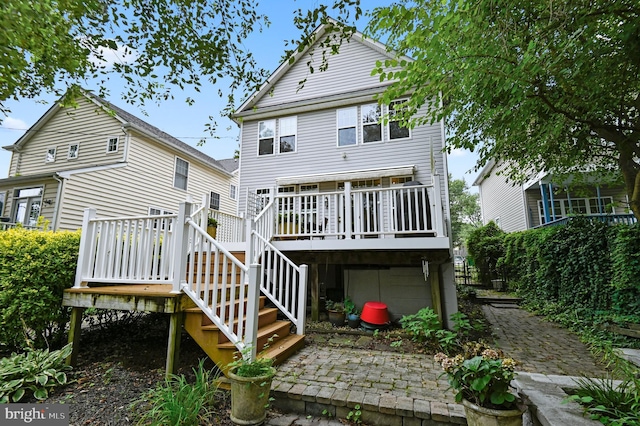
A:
(348, 206)
(600, 206)
(315, 293)
(553, 207)
(545, 202)
(180, 247)
(86, 239)
(437, 214)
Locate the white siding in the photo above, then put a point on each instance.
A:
(146, 182)
(348, 71)
(87, 125)
(499, 199)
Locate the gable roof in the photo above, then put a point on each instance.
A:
(129, 121)
(288, 63)
(229, 164)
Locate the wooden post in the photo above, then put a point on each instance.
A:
(173, 344)
(75, 326)
(434, 275)
(315, 293)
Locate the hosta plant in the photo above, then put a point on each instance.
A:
(34, 372)
(481, 375)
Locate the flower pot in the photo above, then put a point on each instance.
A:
(353, 320)
(480, 416)
(336, 318)
(249, 397)
(212, 231)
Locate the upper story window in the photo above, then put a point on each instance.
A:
(288, 129)
(266, 136)
(347, 119)
(399, 180)
(396, 130)
(563, 207)
(371, 126)
(233, 191)
(74, 148)
(181, 174)
(51, 155)
(112, 145)
(214, 201)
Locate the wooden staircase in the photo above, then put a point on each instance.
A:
(274, 336)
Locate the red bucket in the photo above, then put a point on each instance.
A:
(375, 313)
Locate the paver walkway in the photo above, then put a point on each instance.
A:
(409, 384)
(540, 346)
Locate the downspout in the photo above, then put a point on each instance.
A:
(125, 151)
(56, 210)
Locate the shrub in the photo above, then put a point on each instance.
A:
(178, 402)
(35, 268)
(34, 372)
(486, 247)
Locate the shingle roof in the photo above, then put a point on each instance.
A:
(229, 164)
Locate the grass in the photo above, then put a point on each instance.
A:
(178, 402)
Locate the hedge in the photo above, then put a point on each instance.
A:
(35, 268)
(585, 267)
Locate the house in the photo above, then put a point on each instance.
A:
(364, 203)
(541, 200)
(334, 202)
(98, 155)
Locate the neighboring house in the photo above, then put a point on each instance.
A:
(342, 181)
(540, 200)
(97, 155)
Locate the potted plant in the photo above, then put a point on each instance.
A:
(336, 312)
(481, 378)
(353, 317)
(212, 227)
(250, 387)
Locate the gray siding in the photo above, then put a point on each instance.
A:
(348, 71)
(499, 199)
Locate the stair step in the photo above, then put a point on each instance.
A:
(282, 349)
(207, 321)
(279, 328)
(265, 316)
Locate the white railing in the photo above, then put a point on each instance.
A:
(126, 249)
(281, 281)
(230, 229)
(375, 212)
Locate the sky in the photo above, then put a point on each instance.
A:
(187, 123)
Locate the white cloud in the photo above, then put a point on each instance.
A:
(14, 124)
(106, 57)
(458, 152)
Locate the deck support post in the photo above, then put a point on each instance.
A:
(173, 344)
(315, 293)
(75, 327)
(436, 300)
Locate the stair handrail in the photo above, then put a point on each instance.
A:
(238, 326)
(282, 281)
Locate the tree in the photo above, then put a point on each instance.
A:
(157, 47)
(539, 85)
(464, 209)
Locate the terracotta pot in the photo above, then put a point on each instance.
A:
(480, 416)
(336, 318)
(249, 397)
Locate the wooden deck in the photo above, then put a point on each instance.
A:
(133, 297)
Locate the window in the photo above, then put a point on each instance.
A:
(214, 201)
(371, 127)
(73, 151)
(266, 135)
(51, 155)
(288, 127)
(563, 207)
(233, 191)
(27, 203)
(181, 174)
(399, 180)
(153, 211)
(112, 145)
(396, 131)
(347, 118)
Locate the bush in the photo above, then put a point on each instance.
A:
(35, 268)
(34, 372)
(486, 248)
(178, 402)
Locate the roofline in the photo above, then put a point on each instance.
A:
(288, 63)
(484, 173)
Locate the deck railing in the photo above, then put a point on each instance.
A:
(361, 213)
(231, 228)
(126, 249)
(610, 219)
